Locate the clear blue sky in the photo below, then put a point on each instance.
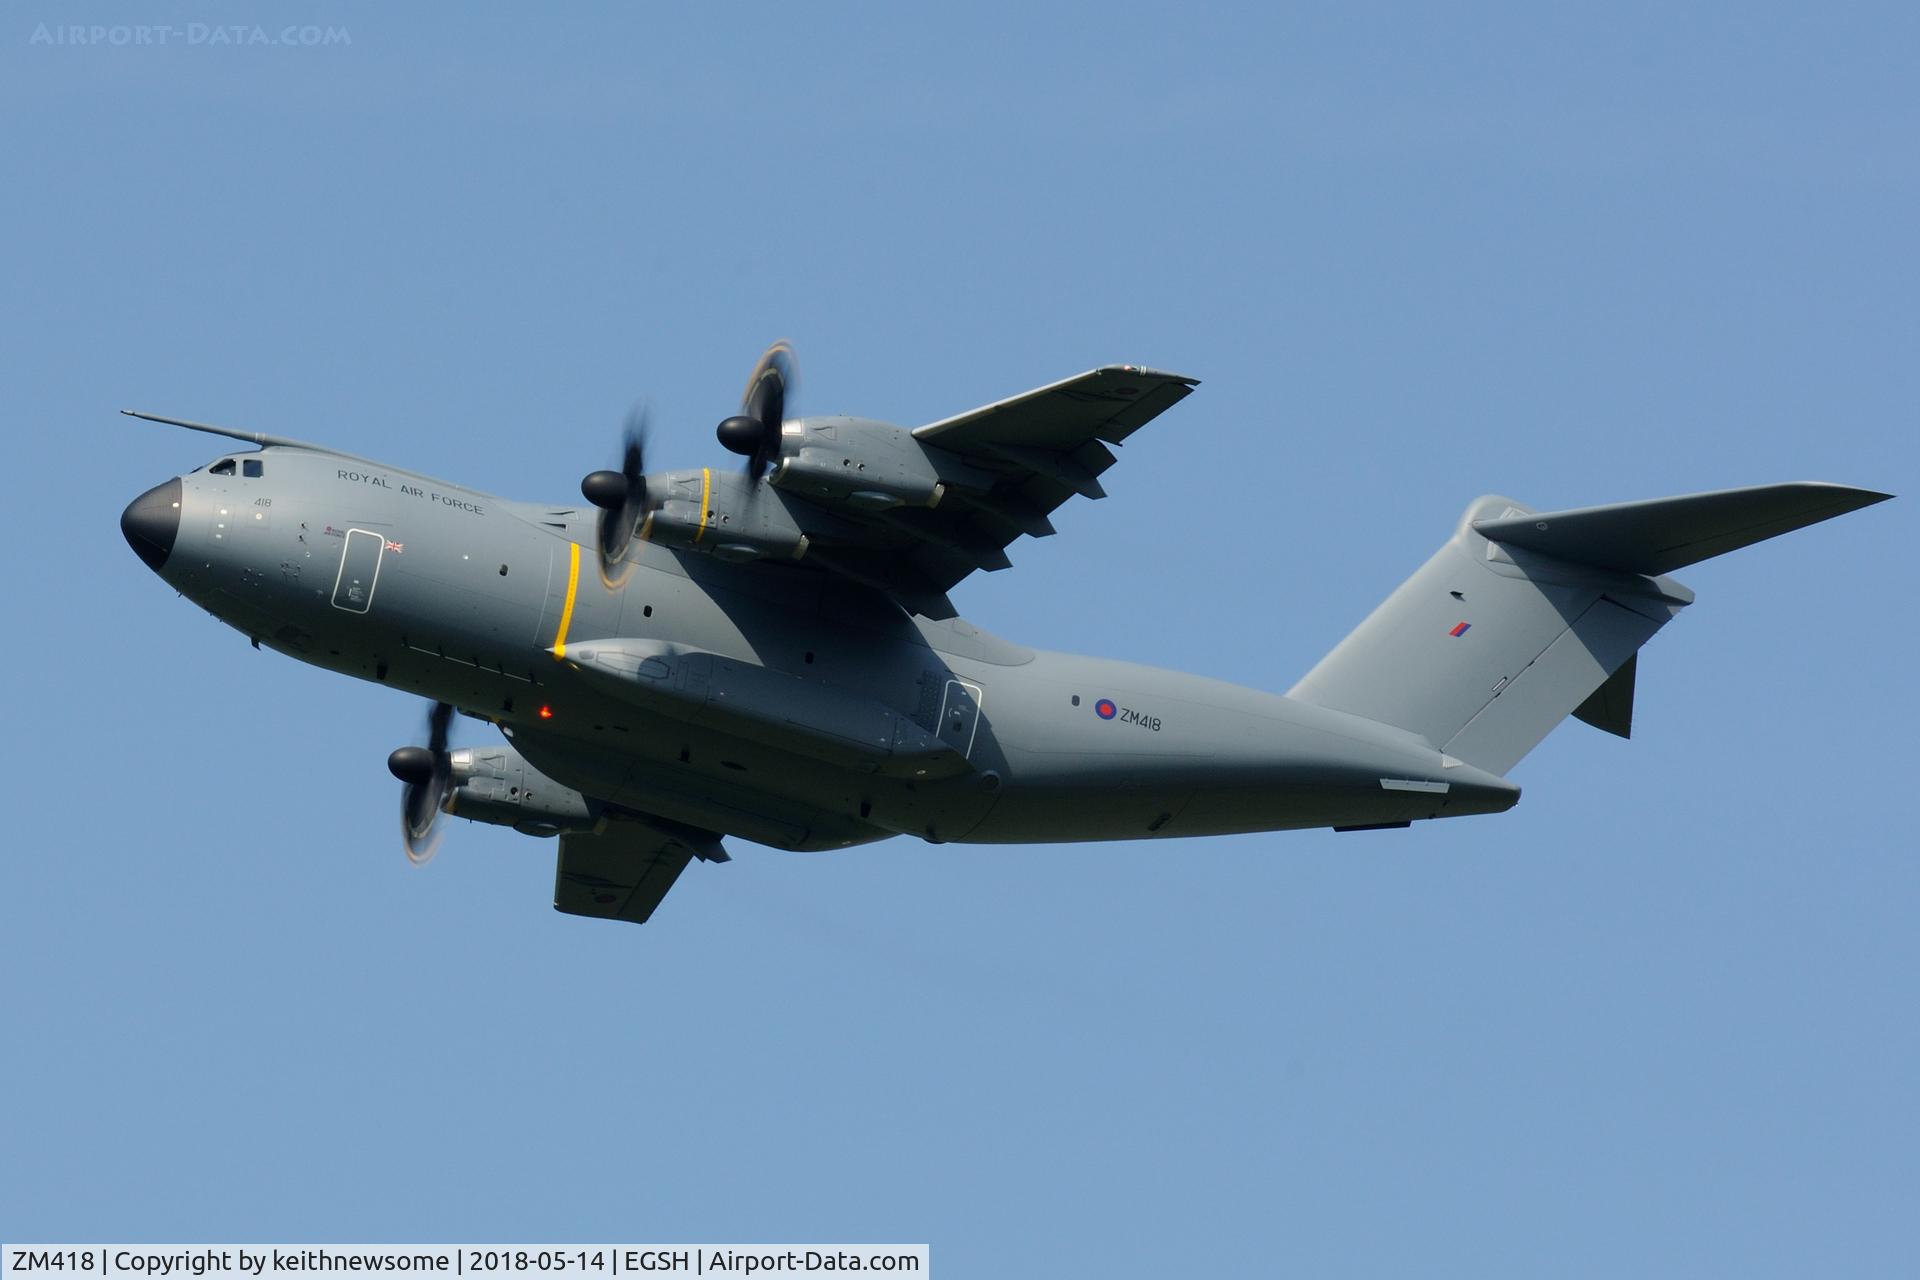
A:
(1658, 1020)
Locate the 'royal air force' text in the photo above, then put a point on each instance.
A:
(412, 491)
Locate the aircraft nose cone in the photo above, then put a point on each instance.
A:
(152, 521)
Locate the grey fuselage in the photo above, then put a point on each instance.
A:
(796, 709)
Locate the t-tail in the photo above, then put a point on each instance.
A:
(1525, 617)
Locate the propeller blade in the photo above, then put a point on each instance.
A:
(755, 431)
(428, 774)
(438, 721)
(622, 498)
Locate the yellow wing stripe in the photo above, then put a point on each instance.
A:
(706, 502)
(566, 610)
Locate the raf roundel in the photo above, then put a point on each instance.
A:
(1105, 709)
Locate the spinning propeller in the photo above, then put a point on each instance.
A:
(755, 430)
(428, 774)
(622, 498)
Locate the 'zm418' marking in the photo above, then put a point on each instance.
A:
(1106, 709)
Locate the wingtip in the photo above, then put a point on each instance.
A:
(1147, 371)
(1856, 497)
(1842, 498)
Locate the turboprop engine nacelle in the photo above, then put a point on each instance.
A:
(869, 466)
(494, 784)
(714, 511)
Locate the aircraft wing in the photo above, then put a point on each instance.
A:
(1032, 452)
(1063, 419)
(620, 873)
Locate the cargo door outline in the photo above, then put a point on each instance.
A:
(960, 715)
(359, 559)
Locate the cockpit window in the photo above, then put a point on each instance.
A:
(250, 467)
(224, 467)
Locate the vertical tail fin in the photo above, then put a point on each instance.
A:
(1525, 617)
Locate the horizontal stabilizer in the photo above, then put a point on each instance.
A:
(1659, 535)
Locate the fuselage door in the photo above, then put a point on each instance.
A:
(960, 715)
(359, 570)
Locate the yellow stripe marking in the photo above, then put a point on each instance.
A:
(566, 610)
(706, 499)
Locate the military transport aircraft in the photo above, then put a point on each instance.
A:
(771, 653)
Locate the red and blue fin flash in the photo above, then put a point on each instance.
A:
(1459, 629)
